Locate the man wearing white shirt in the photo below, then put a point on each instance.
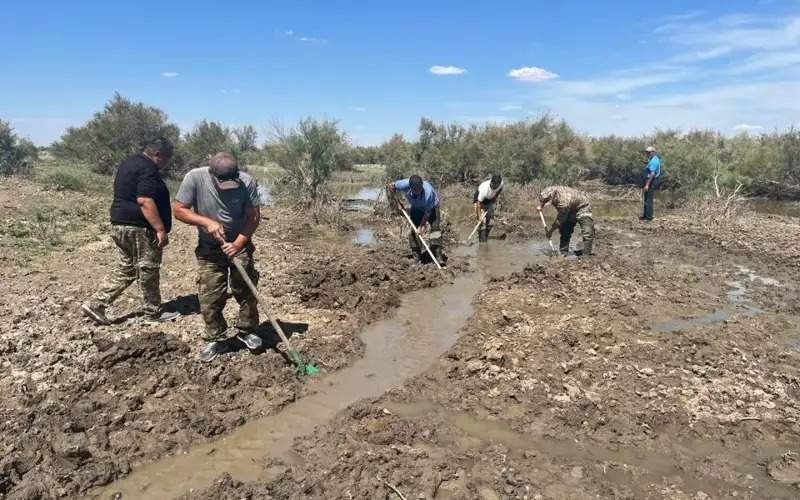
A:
(485, 196)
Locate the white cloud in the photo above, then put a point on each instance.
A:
(735, 32)
(617, 118)
(447, 70)
(169, 74)
(743, 127)
(770, 61)
(359, 109)
(312, 39)
(618, 85)
(531, 74)
(623, 96)
(288, 32)
(510, 107)
(230, 91)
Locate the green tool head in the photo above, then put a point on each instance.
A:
(302, 368)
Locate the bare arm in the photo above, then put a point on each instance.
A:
(649, 180)
(252, 219)
(185, 214)
(150, 212)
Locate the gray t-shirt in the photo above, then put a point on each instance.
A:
(226, 207)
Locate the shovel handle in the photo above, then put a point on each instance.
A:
(477, 226)
(545, 230)
(252, 287)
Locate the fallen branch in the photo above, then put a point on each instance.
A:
(394, 488)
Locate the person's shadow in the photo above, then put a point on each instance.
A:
(270, 337)
(186, 305)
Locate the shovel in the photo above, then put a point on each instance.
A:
(552, 248)
(294, 356)
(419, 237)
(476, 227)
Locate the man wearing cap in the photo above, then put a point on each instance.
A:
(573, 208)
(140, 225)
(483, 199)
(424, 209)
(224, 205)
(652, 179)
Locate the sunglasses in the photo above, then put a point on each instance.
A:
(228, 177)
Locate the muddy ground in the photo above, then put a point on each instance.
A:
(81, 405)
(562, 384)
(571, 380)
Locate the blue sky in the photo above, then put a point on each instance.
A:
(623, 67)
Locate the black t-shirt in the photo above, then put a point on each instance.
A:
(138, 176)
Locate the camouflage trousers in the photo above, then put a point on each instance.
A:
(213, 275)
(587, 231)
(138, 259)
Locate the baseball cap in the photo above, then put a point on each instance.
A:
(225, 173)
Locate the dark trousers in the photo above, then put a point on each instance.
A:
(649, 199)
(587, 231)
(486, 227)
(434, 237)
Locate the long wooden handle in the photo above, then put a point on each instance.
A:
(411, 223)
(260, 300)
(545, 230)
(477, 226)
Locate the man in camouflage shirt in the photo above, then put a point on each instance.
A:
(573, 207)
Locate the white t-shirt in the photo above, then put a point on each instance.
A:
(485, 191)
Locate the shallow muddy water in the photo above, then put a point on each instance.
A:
(634, 467)
(397, 348)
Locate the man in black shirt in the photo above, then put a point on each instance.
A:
(141, 219)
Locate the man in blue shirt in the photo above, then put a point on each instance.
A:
(423, 205)
(652, 179)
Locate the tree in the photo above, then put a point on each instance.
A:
(203, 142)
(119, 130)
(16, 155)
(246, 138)
(309, 154)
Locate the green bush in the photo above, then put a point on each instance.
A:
(16, 155)
(308, 154)
(118, 131)
(72, 178)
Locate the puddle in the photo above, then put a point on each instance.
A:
(368, 193)
(637, 468)
(397, 348)
(364, 237)
(736, 297)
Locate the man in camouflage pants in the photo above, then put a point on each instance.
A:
(225, 206)
(140, 223)
(573, 208)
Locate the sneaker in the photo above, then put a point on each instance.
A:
(95, 313)
(212, 350)
(251, 340)
(161, 317)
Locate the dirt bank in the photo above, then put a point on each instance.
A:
(81, 405)
(562, 385)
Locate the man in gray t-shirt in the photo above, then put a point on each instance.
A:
(224, 205)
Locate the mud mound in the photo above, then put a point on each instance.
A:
(369, 286)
